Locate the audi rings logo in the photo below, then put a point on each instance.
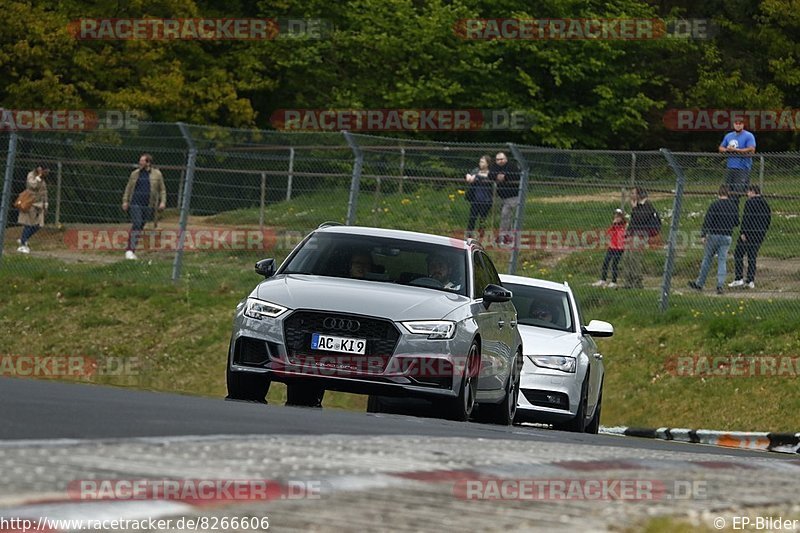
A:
(342, 324)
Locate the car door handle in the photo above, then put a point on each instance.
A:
(513, 323)
(598, 356)
(501, 323)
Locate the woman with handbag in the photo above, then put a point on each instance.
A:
(479, 193)
(33, 218)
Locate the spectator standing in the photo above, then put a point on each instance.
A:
(644, 224)
(144, 194)
(32, 220)
(722, 216)
(739, 145)
(479, 193)
(616, 247)
(756, 220)
(506, 176)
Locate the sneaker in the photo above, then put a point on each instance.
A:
(719, 290)
(612, 285)
(130, 255)
(695, 286)
(599, 283)
(736, 283)
(23, 249)
(751, 285)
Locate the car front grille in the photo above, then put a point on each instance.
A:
(381, 336)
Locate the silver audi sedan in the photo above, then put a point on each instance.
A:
(388, 313)
(562, 376)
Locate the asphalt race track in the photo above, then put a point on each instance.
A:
(334, 470)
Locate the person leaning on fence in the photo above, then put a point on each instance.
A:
(756, 220)
(505, 174)
(739, 141)
(722, 216)
(616, 247)
(479, 193)
(33, 219)
(644, 224)
(144, 194)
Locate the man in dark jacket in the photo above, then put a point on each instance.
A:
(722, 216)
(643, 225)
(755, 223)
(506, 176)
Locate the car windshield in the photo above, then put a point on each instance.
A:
(381, 259)
(545, 308)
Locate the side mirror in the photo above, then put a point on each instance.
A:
(598, 328)
(495, 293)
(266, 268)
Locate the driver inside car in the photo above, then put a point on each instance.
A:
(439, 269)
(542, 311)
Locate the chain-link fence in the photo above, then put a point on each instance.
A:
(233, 196)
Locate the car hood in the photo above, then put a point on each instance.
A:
(543, 341)
(395, 302)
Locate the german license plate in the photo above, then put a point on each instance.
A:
(330, 343)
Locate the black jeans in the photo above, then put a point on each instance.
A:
(749, 248)
(139, 215)
(737, 180)
(613, 257)
(477, 210)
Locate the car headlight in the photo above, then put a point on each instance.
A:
(259, 309)
(556, 362)
(434, 329)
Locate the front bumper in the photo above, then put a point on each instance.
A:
(416, 367)
(547, 395)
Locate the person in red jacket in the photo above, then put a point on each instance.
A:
(616, 247)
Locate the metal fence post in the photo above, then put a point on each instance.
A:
(669, 264)
(633, 169)
(290, 176)
(185, 201)
(761, 173)
(263, 201)
(519, 215)
(402, 168)
(355, 183)
(58, 193)
(8, 179)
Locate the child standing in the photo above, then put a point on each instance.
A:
(616, 247)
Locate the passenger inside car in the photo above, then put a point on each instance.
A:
(545, 312)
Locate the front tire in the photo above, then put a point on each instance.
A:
(594, 424)
(578, 424)
(461, 407)
(247, 386)
(504, 412)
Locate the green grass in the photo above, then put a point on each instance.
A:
(178, 333)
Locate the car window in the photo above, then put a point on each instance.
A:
(380, 259)
(481, 275)
(542, 307)
(494, 276)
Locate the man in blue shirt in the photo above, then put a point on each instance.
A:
(739, 141)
